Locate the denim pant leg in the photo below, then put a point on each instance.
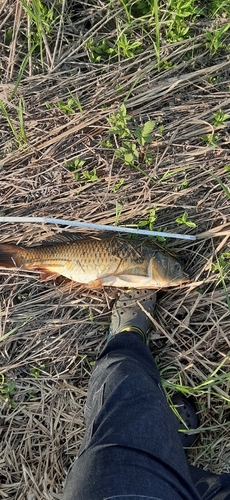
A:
(209, 485)
(131, 448)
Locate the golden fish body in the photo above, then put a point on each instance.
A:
(99, 262)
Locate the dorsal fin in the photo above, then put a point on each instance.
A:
(61, 238)
(66, 237)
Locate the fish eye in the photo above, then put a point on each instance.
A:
(177, 266)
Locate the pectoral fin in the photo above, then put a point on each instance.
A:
(125, 280)
(95, 284)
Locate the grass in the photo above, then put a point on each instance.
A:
(116, 113)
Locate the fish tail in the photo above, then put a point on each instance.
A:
(10, 256)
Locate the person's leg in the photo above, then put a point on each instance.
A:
(131, 447)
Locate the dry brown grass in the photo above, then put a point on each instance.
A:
(63, 328)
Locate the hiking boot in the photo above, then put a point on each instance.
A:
(128, 316)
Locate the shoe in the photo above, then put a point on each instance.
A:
(127, 315)
(187, 411)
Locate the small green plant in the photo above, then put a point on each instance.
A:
(150, 221)
(75, 164)
(132, 143)
(213, 79)
(122, 47)
(215, 40)
(71, 106)
(36, 372)
(144, 133)
(210, 139)
(220, 118)
(127, 152)
(184, 185)
(76, 167)
(42, 20)
(222, 266)
(223, 262)
(19, 135)
(7, 390)
(90, 176)
(118, 185)
(222, 185)
(118, 213)
(127, 48)
(181, 15)
(107, 144)
(118, 123)
(8, 36)
(184, 220)
(219, 7)
(162, 239)
(100, 50)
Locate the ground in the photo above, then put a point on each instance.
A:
(79, 81)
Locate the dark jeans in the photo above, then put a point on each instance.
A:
(132, 449)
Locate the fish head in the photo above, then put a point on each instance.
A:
(168, 270)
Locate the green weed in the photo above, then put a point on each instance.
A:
(118, 123)
(223, 262)
(128, 153)
(121, 48)
(215, 39)
(144, 134)
(7, 391)
(74, 167)
(19, 135)
(133, 144)
(210, 139)
(184, 184)
(148, 222)
(107, 144)
(118, 213)
(79, 175)
(222, 266)
(100, 50)
(118, 185)
(90, 176)
(220, 118)
(181, 14)
(36, 372)
(13, 330)
(8, 36)
(42, 19)
(184, 220)
(219, 7)
(209, 386)
(171, 173)
(225, 189)
(21, 120)
(70, 107)
(127, 48)
(213, 79)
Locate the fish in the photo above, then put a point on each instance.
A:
(98, 262)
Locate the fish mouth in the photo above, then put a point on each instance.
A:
(186, 278)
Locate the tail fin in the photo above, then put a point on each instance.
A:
(10, 256)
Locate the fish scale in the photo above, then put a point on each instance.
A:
(98, 262)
